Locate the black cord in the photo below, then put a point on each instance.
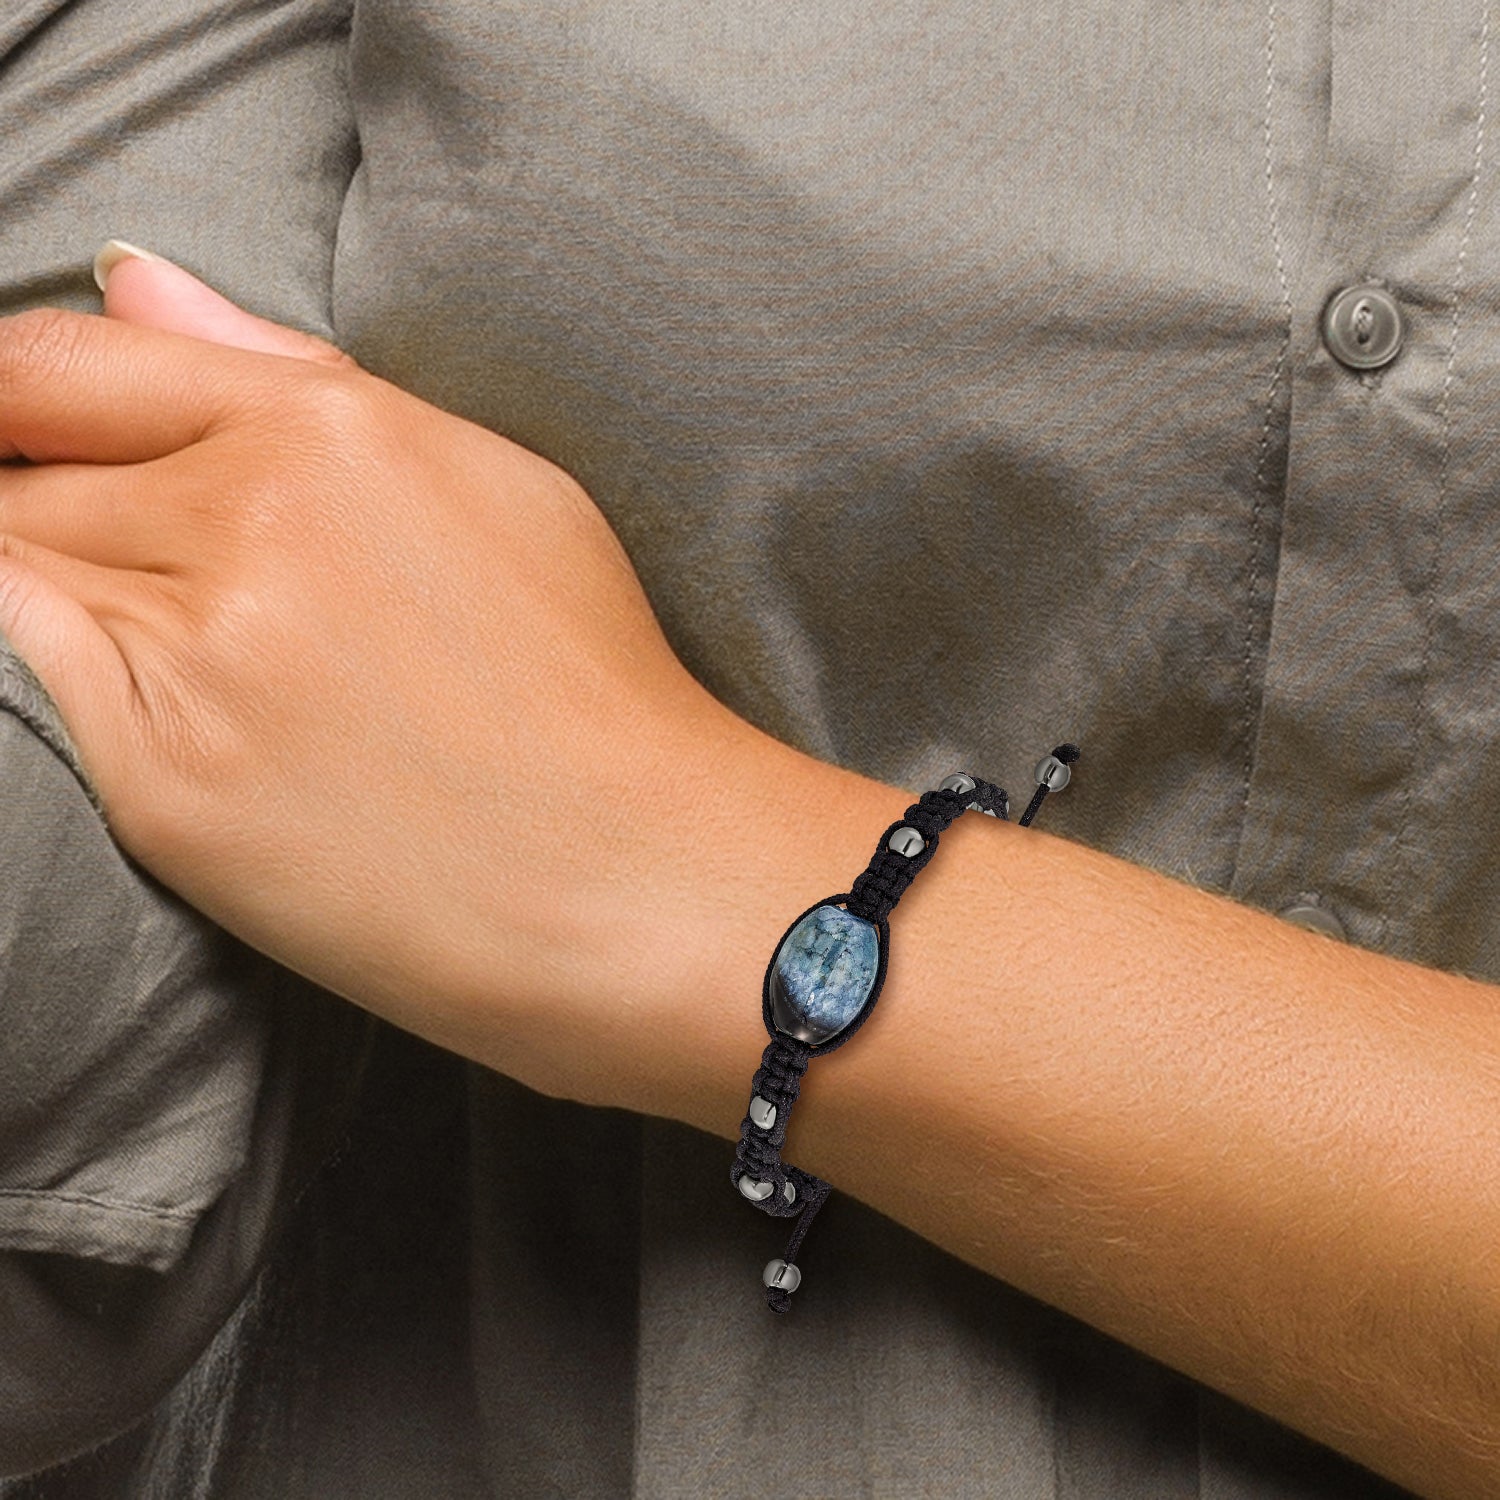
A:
(778, 1080)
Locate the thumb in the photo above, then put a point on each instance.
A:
(140, 287)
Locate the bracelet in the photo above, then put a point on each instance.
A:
(822, 983)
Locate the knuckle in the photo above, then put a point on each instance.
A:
(18, 588)
(42, 341)
(337, 399)
(197, 764)
(297, 414)
(13, 549)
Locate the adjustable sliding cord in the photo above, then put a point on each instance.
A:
(822, 984)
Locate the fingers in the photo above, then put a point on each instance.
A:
(46, 605)
(155, 293)
(75, 386)
(100, 406)
(139, 383)
(97, 590)
(96, 513)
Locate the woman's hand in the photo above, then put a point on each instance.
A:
(376, 689)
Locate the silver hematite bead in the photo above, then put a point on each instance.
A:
(959, 782)
(906, 840)
(779, 1273)
(1052, 773)
(762, 1112)
(755, 1191)
(789, 1190)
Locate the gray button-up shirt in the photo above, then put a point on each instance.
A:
(955, 376)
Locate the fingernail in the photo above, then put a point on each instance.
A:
(113, 252)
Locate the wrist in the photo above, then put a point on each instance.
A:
(780, 830)
(826, 978)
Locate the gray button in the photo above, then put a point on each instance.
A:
(1363, 327)
(1314, 918)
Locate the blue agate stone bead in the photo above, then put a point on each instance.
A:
(823, 973)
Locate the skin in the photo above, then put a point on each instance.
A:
(380, 692)
(372, 686)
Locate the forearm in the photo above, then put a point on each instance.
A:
(1269, 1159)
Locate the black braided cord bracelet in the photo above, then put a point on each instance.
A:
(822, 983)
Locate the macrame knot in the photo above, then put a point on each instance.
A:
(758, 1172)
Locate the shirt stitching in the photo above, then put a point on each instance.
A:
(1402, 861)
(43, 1195)
(1265, 430)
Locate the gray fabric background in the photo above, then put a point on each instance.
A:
(952, 376)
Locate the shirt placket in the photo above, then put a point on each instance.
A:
(1338, 822)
